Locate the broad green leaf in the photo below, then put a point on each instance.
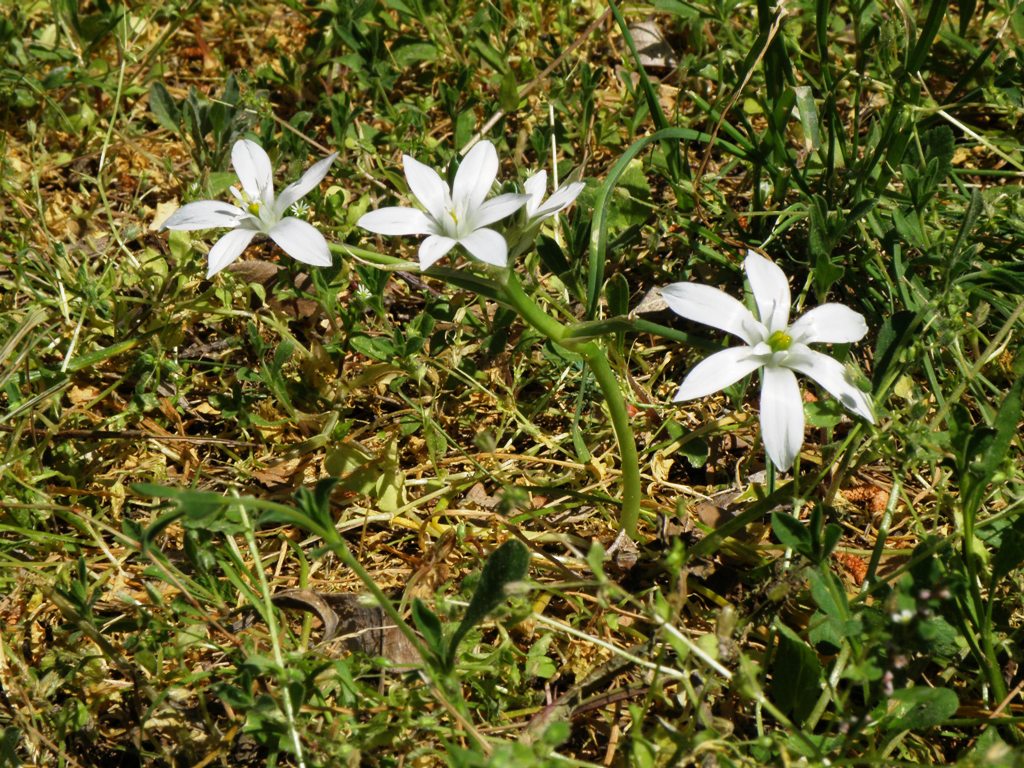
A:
(831, 600)
(506, 565)
(163, 107)
(796, 674)
(913, 709)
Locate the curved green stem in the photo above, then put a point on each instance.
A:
(513, 294)
(597, 361)
(629, 459)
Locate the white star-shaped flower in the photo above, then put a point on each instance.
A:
(259, 211)
(459, 216)
(777, 348)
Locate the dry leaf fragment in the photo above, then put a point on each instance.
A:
(652, 49)
(84, 394)
(345, 616)
(661, 465)
(282, 472)
(163, 212)
(874, 498)
(478, 495)
(853, 565)
(254, 270)
(650, 303)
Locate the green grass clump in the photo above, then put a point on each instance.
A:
(283, 516)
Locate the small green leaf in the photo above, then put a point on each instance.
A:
(793, 534)
(414, 53)
(616, 292)
(163, 107)
(508, 92)
(895, 334)
(1010, 553)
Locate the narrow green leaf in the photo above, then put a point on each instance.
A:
(895, 334)
(986, 449)
(429, 625)
(926, 37)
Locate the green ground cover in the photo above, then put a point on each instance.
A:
(289, 514)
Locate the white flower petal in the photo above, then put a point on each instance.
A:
(227, 249)
(487, 246)
(497, 208)
(562, 198)
(535, 186)
(771, 291)
(833, 378)
(302, 241)
(830, 324)
(710, 306)
(427, 186)
(397, 221)
(782, 416)
(299, 189)
(434, 248)
(475, 177)
(254, 170)
(717, 372)
(204, 214)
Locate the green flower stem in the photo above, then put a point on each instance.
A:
(629, 459)
(596, 329)
(595, 357)
(513, 294)
(373, 257)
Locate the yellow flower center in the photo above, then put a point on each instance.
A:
(780, 341)
(254, 208)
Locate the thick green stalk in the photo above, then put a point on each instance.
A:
(595, 357)
(514, 295)
(629, 459)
